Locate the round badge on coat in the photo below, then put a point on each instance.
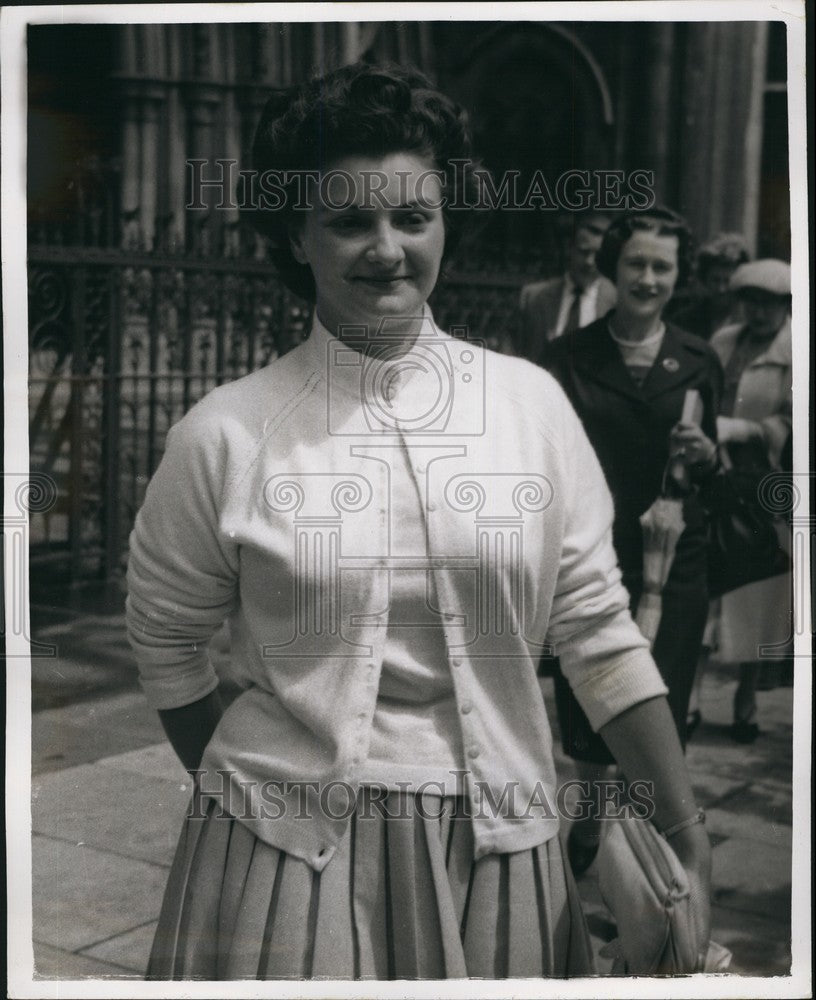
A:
(671, 364)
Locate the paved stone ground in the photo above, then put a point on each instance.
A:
(109, 797)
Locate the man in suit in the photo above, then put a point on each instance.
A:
(581, 295)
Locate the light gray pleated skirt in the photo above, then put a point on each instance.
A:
(401, 899)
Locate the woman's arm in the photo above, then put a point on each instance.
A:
(182, 584)
(643, 739)
(189, 728)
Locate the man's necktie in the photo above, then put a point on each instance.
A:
(574, 314)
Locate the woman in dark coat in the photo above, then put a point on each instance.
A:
(627, 375)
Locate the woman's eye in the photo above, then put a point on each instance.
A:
(414, 220)
(346, 223)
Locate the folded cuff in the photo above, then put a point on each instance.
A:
(165, 690)
(626, 681)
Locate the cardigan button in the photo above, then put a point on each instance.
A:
(456, 661)
(473, 753)
(432, 506)
(466, 707)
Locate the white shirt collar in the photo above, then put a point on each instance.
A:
(572, 288)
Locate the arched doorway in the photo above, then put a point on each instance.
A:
(538, 101)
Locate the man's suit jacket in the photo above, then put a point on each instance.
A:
(540, 305)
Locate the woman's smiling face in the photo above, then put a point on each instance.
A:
(646, 275)
(376, 248)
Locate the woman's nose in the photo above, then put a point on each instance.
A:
(386, 248)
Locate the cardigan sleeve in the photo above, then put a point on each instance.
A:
(602, 653)
(182, 570)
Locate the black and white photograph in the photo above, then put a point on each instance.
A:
(407, 501)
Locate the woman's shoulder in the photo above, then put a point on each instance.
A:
(525, 394)
(516, 376)
(244, 406)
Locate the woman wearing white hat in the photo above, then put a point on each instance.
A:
(755, 426)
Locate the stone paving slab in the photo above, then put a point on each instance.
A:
(753, 877)
(56, 963)
(83, 895)
(158, 759)
(130, 950)
(130, 814)
(759, 946)
(88, 731)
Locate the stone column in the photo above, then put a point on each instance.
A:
(149, 164)
(719, 148)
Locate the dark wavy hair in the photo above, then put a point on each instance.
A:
(360, 110)
(658, 220)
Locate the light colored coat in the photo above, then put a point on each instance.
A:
(764, 392)
(759, 615)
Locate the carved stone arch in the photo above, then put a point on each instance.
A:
(539, 101)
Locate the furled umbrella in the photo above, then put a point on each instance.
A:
(662, 525)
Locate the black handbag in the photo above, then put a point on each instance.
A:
(743, 543)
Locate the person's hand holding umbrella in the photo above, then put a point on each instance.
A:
(663, 524)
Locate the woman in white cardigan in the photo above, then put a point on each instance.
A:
(394, 521)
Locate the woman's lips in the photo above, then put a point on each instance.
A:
(382, 282)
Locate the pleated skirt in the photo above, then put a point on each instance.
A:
(402, 898)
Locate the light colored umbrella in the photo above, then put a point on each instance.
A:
(662, 525)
